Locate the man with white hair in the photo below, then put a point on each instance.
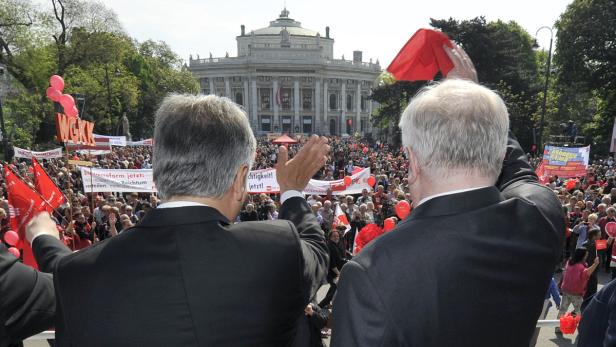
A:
(186, 275)
(471, 264)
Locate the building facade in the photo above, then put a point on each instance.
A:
(287, 80)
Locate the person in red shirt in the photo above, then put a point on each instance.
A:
(574, 281)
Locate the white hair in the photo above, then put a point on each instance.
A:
(456, 125)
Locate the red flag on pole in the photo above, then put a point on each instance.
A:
(422, 57)
(341, 219)
(26, 204)
(541, 174)
(47, 188)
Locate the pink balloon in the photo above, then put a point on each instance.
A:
(403, 208)
(11, 237)
(14, 251)
(71, 112)
(53, 94)
(57, 83)
(67, 101)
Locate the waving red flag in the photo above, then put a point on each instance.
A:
(47, 188)
(26, 203)
(422, 57)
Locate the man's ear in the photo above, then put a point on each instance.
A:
(240, 182)
(413, 166)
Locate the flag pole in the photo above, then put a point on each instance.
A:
(70, 191)
(92, 233)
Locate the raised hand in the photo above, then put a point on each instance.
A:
(463, 67)
(41, 224)
(295, 174)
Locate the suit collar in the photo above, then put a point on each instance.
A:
(182, 215)
(457, 203)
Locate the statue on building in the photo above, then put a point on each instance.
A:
(227, 55)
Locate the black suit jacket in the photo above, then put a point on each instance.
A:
(27, 300)
(467, 269)
(598, 325)
(186, 277)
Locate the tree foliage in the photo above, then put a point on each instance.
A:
(83, 41)
(586, 77)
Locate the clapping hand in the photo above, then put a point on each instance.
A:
(295, 174)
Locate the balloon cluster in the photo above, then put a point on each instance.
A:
(11, 238)
(54, 93)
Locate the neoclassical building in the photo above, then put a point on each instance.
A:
(287, 80)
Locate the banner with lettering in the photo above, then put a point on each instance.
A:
(264, 181)
(113, 180)
(24, 153)
(565, 162)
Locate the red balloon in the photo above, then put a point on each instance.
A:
(14, 251)
(371, 180)
(570, 185)
(57, 83)
(348, 181)
(610, 229)
(53, 94)
(11, 237)
(403, 208)
(71, 112)
(389, 224)
(67, 101)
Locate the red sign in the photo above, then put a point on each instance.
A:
(74, 130)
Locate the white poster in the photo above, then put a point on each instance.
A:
(146, 142)
(613, 144)
(121, 181)
(119, 141)
(264, 181)
(24, 153)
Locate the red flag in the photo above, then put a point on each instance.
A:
(542, 174)
(341, 219)
(46, 187)
(26, 203)
(422, 57)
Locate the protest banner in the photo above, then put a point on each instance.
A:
(119, 141)
(146, 142)
(121, 181)
(25, 153)
(565, 162)
(264, 181)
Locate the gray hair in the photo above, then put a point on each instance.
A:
(199, 144)
(456, 125)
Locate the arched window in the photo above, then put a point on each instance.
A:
(333, 104)
(239, 98)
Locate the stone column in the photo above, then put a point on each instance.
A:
(274, 102)
(228, 88)
(342, 121)
(358, 109)
(325, 106)
(296, 105)
(212, 90)
(317, 126)
(254, 106)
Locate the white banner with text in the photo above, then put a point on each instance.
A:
(28, 154)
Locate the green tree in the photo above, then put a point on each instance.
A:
(586, 77)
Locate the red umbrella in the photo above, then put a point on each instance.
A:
(284, 140)
(422, 57)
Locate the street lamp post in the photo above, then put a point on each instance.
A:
(547, 81)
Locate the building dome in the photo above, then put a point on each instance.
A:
(292, 26)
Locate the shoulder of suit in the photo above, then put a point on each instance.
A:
(275, 227)
(78, 257)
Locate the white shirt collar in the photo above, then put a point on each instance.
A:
(447, 193)
(173, 204)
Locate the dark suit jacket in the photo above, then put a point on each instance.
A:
(27, 300)
(186, 277)
(467, 269)
(598, 325)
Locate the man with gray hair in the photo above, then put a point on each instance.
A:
(471, 264)
(186, 275)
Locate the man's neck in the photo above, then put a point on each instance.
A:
(451, 184)
(217, 204)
